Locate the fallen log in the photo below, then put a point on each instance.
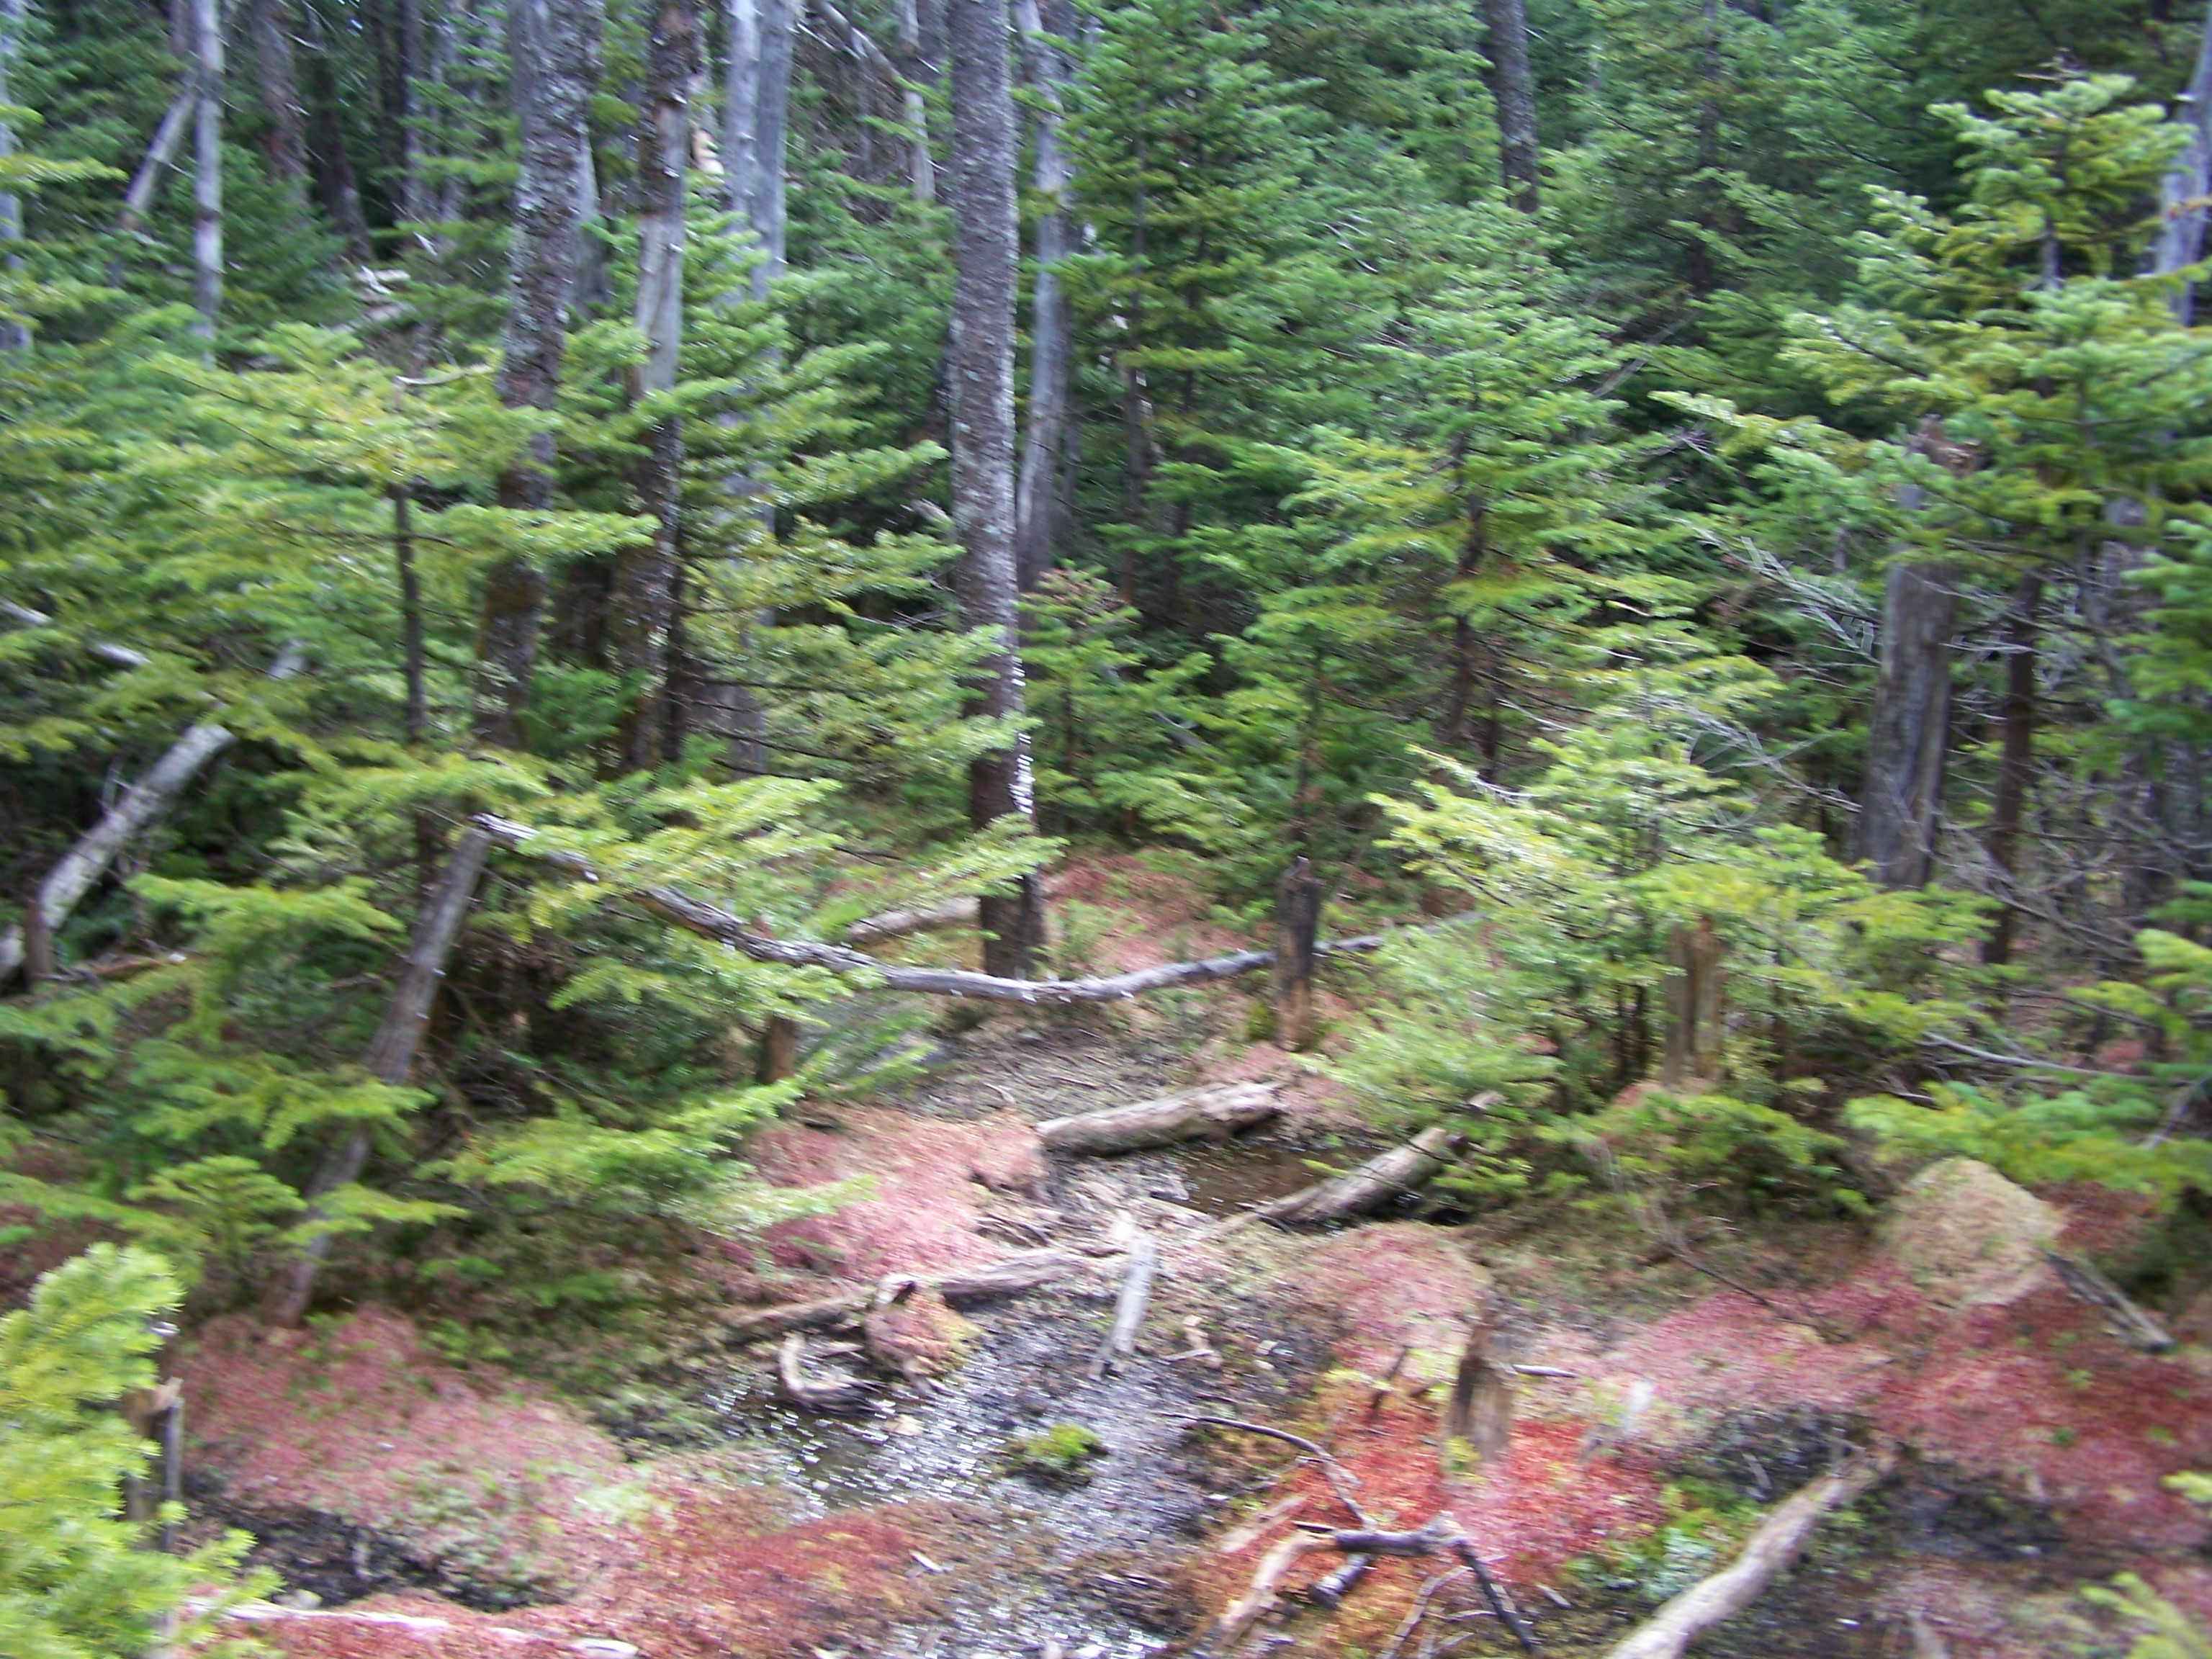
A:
(2135, 1328)
(839, 1393)
(1129, 1308)
(1211, 1114)
(1780, 1538)
(74, 874)
(795, 1316)
(1372, 1185)
(1025, 1270)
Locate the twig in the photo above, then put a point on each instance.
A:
(1334, 1473)
(1417, 1612)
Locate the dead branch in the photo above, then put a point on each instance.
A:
(1340, 1479)
(1780, 1538)
(1212, 1114)
(838, 1392)
(1025, 1270)
(1372, 1185)
(1129, 1309)
(2135, 1328)
(897, 924)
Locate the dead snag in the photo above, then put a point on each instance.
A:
(1480, 1415)
(1212, 1113)
(1129, 1309)
(1372, 1185)
(1780, 1538)
(1297, 927)
(778, 1049)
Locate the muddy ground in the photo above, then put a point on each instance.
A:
(2035, 1441)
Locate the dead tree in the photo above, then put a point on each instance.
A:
(391, 1053)
(756, 86)
(985, 256)
(207, 167)
(2188, 182)
(1480, 1415)
(921, 165)
(1297, 929)
(1037, 497)
(550, 43)
(14, 335)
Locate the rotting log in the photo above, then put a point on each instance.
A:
(1144, 1266)
(1012, 1275)
(1026, 1270)
(2135, 1328)
(1211, 1114)
(73, 875)
(1480, 1413)
(1373, 1184)
(1778, 1542)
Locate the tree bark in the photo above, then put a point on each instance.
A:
(549, 44)
(2015, 764)
(391, 1053)
(1214, 1114)
(1480, 1413)
(757, 91)
(1908, 733)
(921, 165)
(1693, 1007)
(15, 336)
(1039, 522)
(207, 167)
(274, 62)
(160, 153)
(2188, 181)
(1298, 933)
(73, 876)
(328, 159)
(982, 364)
(1513, 90)
(643, 607)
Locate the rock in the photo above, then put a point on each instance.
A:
(603, 1646)
(1968, 1236)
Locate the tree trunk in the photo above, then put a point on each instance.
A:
(206, 168)
(755, 97)
(1908, 733)
(416, 716)
(391, 1053)
(327, 157)
(1694, 1005)
(161, 154)
(549, 44)
(982, 364)
(1373, 1184)
(73, 876)
(287, 144)
(1213, 1114)
(1297, 932)
(2188, 181)
(1513, 90)
(14, 336)
(1038, 520)
(643, 608)
(922, 165)
(2016, 762)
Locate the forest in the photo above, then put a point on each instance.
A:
(986, 829)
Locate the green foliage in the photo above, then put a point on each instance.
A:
(76, 1581)
(1060, 1453)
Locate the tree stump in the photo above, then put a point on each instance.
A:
(1297, 929)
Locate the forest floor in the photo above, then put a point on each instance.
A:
(438, 1505)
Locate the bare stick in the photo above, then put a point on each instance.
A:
(1780, 1538)
(1129, 1309)
(1417, 1612)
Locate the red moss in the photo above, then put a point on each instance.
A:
(1401, 1280)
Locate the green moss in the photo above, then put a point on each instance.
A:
(1058, 1452)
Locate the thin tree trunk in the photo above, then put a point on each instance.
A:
(1908, 734)
(1037, 520)
(391, 1053)
(2188, 181)
(161, 154)
(414, 197)
(15, 336)
(549, 44)
(756, 99)
(985, 259)
(644, 598)
(207, 169)
(2016, 762)
(920, 165)
(1513, 90)
(415, 717)
(74, 874)
(327, 157)
(273, 60)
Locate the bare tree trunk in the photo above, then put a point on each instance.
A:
(644, 600)
(1513, 90)
(756, 98)
(1908, 734)
(14, 335)
(549, 44)
(391, 1053)
(2187, 183)
(1694, 1005)
(327, 158)
(2016, 762)
(73, 876)
(1037, 519)
(922, 165)
(273, 61)
(161, 154)
(985, 259)
(206, 168)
